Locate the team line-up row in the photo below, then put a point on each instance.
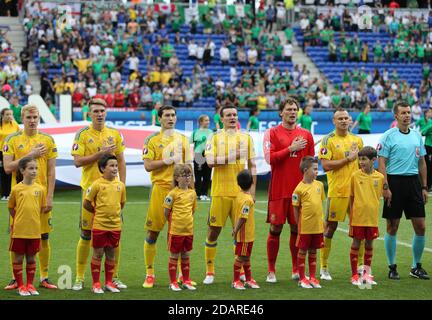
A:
(294, 196)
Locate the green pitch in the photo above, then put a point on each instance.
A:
(132, 271)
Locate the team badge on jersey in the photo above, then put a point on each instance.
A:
(37, 193)
(90, 141)
(75, 147)
(323, 151)
(118, 189)
(168, 200)
(245, 210)
(5, 148)
(318, 190)
(21, 146)
(375, 183)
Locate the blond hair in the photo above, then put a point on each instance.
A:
(180, 169)
(31, 108)
(98, 102)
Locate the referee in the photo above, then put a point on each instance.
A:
(401, 160)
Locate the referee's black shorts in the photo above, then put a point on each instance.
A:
(406, 196)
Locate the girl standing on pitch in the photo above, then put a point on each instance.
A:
(179, 207)
(27, 202)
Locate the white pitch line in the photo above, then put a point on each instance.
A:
(404, 244)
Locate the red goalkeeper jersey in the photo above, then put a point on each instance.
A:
(285, 165)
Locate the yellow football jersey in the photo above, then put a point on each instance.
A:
(309, 198)
(19, 145)
(107, 197)
(244, 208)
(160, 146)
(28, 201)
(367, 190)
(224, 144)
(182, 204)
(7, 129)
(89, 141)
(334, 147)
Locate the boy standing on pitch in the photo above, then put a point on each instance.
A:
(179, 207)
(366, 192)
(244, 231)
(105, 198)
(307, 201)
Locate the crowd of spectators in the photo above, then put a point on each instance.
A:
(127, 56)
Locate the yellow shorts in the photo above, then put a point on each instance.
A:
(86, 217)
(220, 209)
(45, 220)
(337, 209)
(155, 220)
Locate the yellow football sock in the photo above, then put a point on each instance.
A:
(361, 252)
(82, 253)
(11, 259)
(210, 255)
(44, 258)
(149, 256)
(325, 252)
(117, 261)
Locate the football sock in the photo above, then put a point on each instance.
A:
(234, 249)
(117, 261)
(210, 255)
(390, 248)
(294, 251)
(237, 266)
(12, 259)
(17, 271)
(95, 269)
(247, 270)
(44, 258)
(312, 265)
(418, 244)
(361, 253)
(272, 251)
(149, 255)
(82, 253)
(172, 269)
(30, 272)
(368, 258)
(325, 252)
(109, 270)
(354, 253)
(185, 268)
(301, 258)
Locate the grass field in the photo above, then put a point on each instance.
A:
(65, 236)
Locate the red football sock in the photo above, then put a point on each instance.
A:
(247, 270)
(109, 270)
(172, 269)
(95, 269)
(17, 271)
(30, 272)
(237, 267)
(294, 251)
(312, 264)
(185, 269)
(368, 257)
(354, 260)
(301, 265)
(272, 251)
